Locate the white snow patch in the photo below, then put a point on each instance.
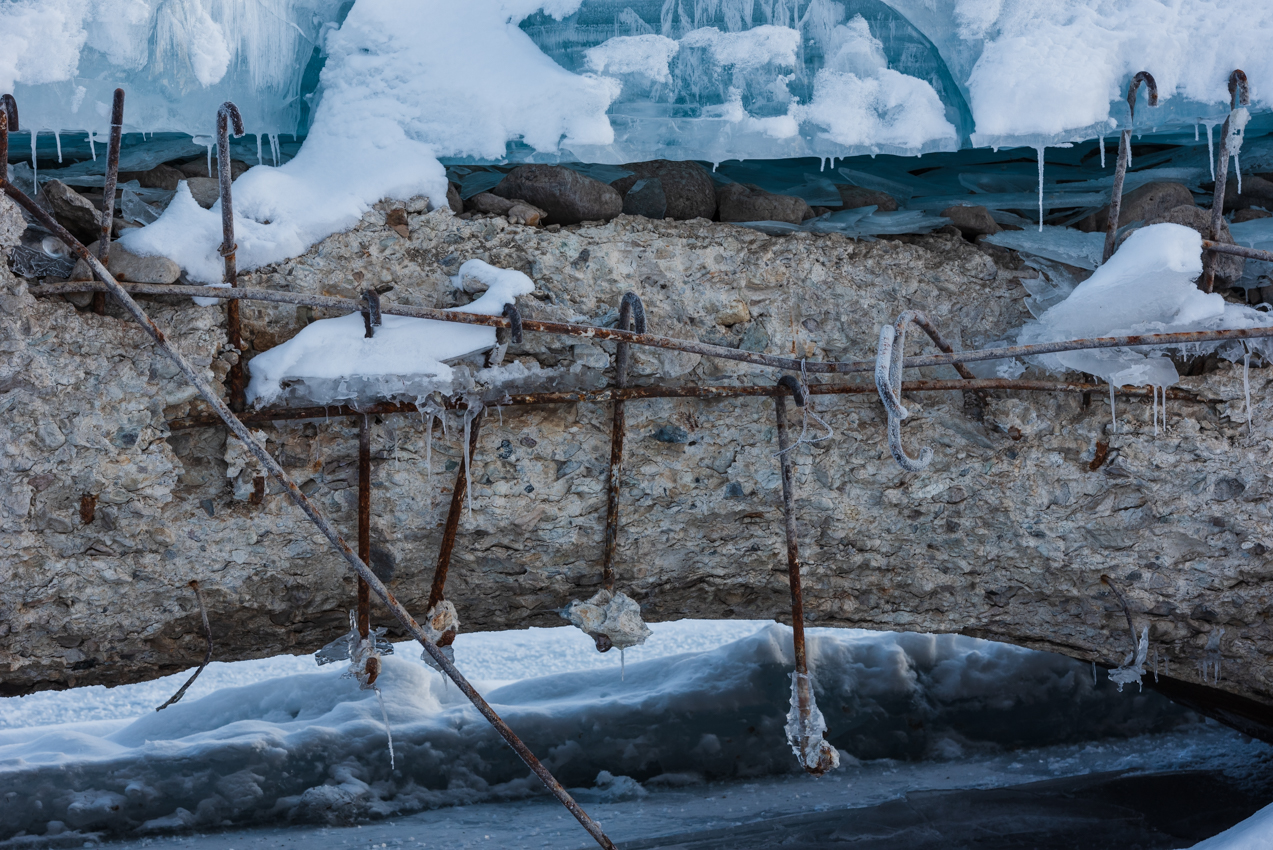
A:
(645, 55)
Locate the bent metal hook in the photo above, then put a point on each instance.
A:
(888, 381)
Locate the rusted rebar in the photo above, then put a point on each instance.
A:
(108, 192)
(631, 317)
(8, 123)
(1239, 97)
(364, 522)
(1237, 250)
(888, 381)
(1124, 155)
(315, 515)
(207, 656)
(228, 119)
(438, 590)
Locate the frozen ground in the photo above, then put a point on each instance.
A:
(690, 737)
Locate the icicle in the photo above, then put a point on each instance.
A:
(57, 139)
(1100, 140)
(1154, 390)
(1195, 131)
(1094, 681)
(1041, 188)
(91, 147)
(623, 670)
(1113, 414)
(209, 160)
(260, 160)
(35, 172)
(1155, 662)
(1211, 153)
(468, 466)
(1246, 387)
(428, 455)
(389, 732)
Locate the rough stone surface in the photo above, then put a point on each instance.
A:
(1257, 191)
(972, 221)
(199, 168)
(126, 265)
(687, 186)
(1250, 214)
(453, 199)
(160, 177)
(1147, 202)
(205, 190)
(747, 202)
(1005, 536)
(567, 196)
(646, 198)
(72, 210)
(1228, 267)
(854, 197)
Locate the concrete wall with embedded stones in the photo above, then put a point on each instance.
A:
(1000, 537)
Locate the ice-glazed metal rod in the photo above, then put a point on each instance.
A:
(1124, 155)
(364, 522)
(631, 317)
(437, 591)
(312, 511)
(228, 118)
(108, 191)
(1239, 96)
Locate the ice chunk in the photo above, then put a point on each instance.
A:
(1133, 667)
(1146, 287)
(805, 728)
(1063, 244)
(611, 619)
(331, 360)
(441, 625)
(645, 56)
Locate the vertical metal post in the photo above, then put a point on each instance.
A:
(1238, 96)
(789, 523)
(364, 522)
(108, 192)
(438, 591)
(228, 115)
(631, 316)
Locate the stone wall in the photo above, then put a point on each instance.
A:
(1003, 536)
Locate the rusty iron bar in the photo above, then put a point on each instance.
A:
(228, 119)
(108, 192)
(438, 590)
(1237, 250)
(207, 656)
(8, 122)
(631, 317)
(316, 516)
(1124, 154)
(1239, 95)
(844, 367)
(364, 522)
(284, 414)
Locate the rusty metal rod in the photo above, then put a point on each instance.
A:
(631, 317)
(1237, 250)
(207, 655)
(1238, 96)
(108, 192)
(438, 590)
(8, 123)
(844, 367)
(1124, 155)
(364, 522)
(228, 118)
(283, 414)
(316, 516)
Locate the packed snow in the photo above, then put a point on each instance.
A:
(332, 361)
(284, 740)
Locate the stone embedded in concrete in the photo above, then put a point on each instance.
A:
(646, 198)
(855, 197)
(125, 265)
(453, 199)
(567, 196)
(747, 202)
(687, 187)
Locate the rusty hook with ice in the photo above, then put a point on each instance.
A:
(1124, 157)
(1239, 99)
(888, 381)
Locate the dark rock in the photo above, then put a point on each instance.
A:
(972, 221)
(748, 202)
(646, 198)
(1257, 191)
(159, 177)
(854, 197)
(453, 199)
(755, 338)
(566, 196)
(72, 210)
(199, 168)
(125, 265)
(1228, 267)
(1228, 488)
(517, 210)
(672, 434)
(1250, 214)
(1147, 202)
(206, 190)
(687, 186)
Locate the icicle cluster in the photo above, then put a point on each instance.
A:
(805, 727)
(1133, 667)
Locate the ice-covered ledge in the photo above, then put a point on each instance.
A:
(1000, 537)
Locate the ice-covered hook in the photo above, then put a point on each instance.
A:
(1134, 86)
(370, 316)
(1239, 91)
(514, 323)
(227, 117)
(888, 381)
(1239, 99)
(1124, 157)
(631, 318)
(797, 392)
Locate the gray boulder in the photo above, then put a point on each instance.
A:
(566, 196)
(1257, 191)
(517, 210)
(72, 210)
(206, 190)
(160, 177)
(127, 266)
(1250, 214)
(748, 202)
(972, 221)
(687, 186)
(199, 168)
(646, 198)
(854, 197)
(1148, 202)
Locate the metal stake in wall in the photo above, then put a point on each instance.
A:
(1239, 97)
(364, 522)
(228, 115)
(1124, 155)
(631, 317)
(108, 192)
